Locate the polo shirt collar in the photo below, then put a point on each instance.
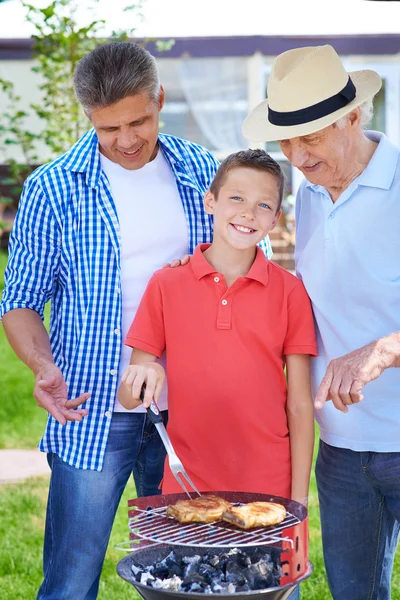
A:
(381, 169)
(201, 267)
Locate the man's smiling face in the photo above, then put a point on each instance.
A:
(128, 129)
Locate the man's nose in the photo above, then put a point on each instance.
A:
(298, 156)
(126, 139)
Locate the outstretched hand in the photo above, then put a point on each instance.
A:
(51, 393)
(346, 376)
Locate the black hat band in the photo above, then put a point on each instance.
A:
(316, 111)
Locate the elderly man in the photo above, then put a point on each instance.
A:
(347, 254)
(91, 229)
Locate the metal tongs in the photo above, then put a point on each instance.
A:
(175, 464)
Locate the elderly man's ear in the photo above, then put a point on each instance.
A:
(209, 202)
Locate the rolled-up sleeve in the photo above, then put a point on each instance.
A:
(33, 253)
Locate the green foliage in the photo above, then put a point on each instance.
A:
(59, 43)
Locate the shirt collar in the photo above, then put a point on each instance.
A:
(380, 170)
(84, 157)
(201, 267)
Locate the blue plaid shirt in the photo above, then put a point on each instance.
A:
(65, 247)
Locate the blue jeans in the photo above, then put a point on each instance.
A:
(359, 496)
(82, 505)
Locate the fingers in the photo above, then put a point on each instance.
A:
(56, 404)
(151, 374)
(77, 401)
(339, 386)
(158, 388)
(177, 262)
(322, 394)
(185, 259)
(335, 395)
(356, 391)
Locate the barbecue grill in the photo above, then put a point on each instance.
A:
(154, 534)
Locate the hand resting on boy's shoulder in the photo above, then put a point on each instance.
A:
(177, 262)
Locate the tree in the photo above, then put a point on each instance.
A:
(59, 43)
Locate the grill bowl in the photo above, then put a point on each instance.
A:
(148, 556)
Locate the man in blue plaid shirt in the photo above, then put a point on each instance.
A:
(91, 228)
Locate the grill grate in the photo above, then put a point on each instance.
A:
(154, 525)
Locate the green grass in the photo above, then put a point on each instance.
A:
(21, 421)
(22, 506)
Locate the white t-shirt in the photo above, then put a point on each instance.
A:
(153, 231)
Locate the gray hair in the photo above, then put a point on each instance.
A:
(114, 71)
(366, 114)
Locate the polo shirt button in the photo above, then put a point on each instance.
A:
(107, 413)
(224, 302)
(216, 279)
(116, 331)
(331, 216)
(113, 372)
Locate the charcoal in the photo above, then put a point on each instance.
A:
(169, 566)
(173, 584)
(243, 587)
(160, 571)
(226, 573)
(189, 560)
(192, 568)
(194, 583)
(207, 572)
(260, 554)
(212, 560)
(259, 583)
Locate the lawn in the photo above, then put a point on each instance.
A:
(22, 506)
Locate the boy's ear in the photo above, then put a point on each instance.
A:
(277, 217)
(209, 202)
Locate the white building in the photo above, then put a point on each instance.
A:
(211, 83)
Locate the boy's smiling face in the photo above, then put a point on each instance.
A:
(246, 208)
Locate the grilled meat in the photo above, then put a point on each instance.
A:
(204, 509)
(255, 514)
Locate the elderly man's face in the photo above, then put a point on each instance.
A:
(324, 157)
(128, 130)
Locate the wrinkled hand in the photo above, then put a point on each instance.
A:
(150, 373)
(345, 377)
(51, 393)
(177, 262)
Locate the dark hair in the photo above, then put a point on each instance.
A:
(114, 71)
(252, 159)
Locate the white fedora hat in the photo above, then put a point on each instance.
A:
(308, 90)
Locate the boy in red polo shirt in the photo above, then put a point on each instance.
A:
(230, 321)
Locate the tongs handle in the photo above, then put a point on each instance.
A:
(153, 411)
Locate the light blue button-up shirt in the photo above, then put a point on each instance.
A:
(348, 256)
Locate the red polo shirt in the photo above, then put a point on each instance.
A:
(225, 350)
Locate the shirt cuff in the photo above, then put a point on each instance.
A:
(307, 349)
(8, 305)
(134, 342)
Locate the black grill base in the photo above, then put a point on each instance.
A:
(151, 555)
